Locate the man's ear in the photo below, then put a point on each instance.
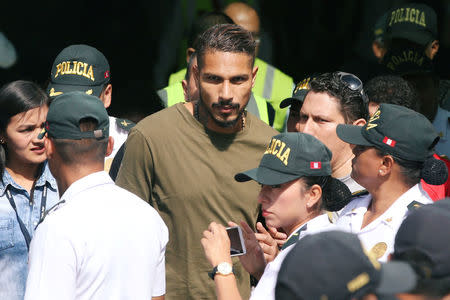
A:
(254, 72)
(196, 75)
(432, 49)
(359, 122)
(189, 52)
(105, 96)
(110, 147)
(49, 148)
(378, 50)
(185, 90)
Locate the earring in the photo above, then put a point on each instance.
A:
(379, 171)
(2, 141)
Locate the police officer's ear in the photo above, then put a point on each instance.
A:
(105, 96)
(387, 165)
(49, 148)
(378, 50)
(314, 194)
(189, 52)
(110, 147)
(359, 122)
(255, 70)
(432, 49)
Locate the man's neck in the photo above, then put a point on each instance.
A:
(200, 113)
(342, 169)
(70, 174)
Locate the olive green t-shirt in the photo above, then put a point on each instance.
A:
(186, 173)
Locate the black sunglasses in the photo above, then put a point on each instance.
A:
(353, 83)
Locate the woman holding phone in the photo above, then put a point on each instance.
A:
(296, 189)
(27, 187)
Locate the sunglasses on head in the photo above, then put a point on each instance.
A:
(353, 83)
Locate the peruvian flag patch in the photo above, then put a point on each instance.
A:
(389, 142)
(315, 165)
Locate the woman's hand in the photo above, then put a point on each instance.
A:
(216, 244)
(270, 241)
(253, 261)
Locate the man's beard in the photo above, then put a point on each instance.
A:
(221, 123)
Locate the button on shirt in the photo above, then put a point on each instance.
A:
(266, 285)
(101, 242)
(13, 248)
(378, 236)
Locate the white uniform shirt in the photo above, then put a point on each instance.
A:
(119, 135)
(378, 236)
(266, 285)
(102, 242)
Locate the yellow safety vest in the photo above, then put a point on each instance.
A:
(173, 94)
(270, 83)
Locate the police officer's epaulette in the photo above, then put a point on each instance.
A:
(414, 205)
(125, 124)
(359, 193)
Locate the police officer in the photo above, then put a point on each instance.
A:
(84, 68)
(296, 187)
(393, 151)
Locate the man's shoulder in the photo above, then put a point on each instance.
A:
(260, 126)
(259, 62)
(161, 121)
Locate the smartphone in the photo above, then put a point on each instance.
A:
(237, 246)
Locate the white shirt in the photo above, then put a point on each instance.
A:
(119, 135)
(266, 285)
(102, 242)
(378, 236)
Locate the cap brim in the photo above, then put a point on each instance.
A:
(55, 89)
(396, 277)
(352, 134)
(265, 176)
(288, 101)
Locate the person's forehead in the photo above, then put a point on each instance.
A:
(321, 103)
(220, 61)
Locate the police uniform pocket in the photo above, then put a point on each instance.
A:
(6, 233)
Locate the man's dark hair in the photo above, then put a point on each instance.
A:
(203, 23)
(393, 90)
(79, 152)
(225, 38)
(352, 104)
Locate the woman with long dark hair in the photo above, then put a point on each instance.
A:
(27, 187)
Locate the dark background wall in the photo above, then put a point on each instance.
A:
(141, 39)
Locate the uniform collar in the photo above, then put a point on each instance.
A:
(85, 183)
(45, 177)
(312, 225)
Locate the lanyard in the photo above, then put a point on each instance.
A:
(22, 226)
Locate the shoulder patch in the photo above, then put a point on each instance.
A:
(359, 193)
(125, 124)
(414, 205)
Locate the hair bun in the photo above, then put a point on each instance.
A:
(434, 171)
(336, 195)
